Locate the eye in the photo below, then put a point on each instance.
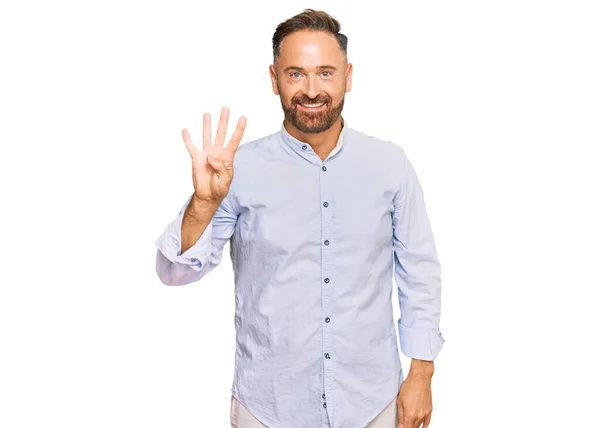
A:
(295, 72)
(327, 72)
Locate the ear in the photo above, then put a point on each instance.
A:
(273, 75)
(349, 77)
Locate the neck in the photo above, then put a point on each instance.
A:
(323, 142)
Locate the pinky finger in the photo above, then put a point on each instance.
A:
(427, 421)
(188, 142)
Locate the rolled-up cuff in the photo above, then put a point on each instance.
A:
(169, 243)
(420, 343)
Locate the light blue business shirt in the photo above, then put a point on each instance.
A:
(314, 246)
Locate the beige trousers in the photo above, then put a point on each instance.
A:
(242, 418)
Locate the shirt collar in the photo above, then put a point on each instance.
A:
(304, 149)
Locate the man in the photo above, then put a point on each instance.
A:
(316, 215)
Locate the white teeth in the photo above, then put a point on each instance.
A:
(312, 105)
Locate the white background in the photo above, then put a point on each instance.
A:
(497, 104)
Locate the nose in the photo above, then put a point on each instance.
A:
(312, 88)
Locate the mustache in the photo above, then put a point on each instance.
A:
(318, 100)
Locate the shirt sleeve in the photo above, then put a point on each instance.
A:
(417, 270)
(174, 268)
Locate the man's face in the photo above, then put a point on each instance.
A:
(311, 71)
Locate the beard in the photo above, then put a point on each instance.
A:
(312, 122)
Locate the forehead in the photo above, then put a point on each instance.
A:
(310, 49)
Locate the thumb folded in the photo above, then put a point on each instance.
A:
(223, 168)
(218, 165)
(228, 164)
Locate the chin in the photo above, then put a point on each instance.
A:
(314, 129)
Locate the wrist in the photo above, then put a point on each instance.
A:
(200, 209)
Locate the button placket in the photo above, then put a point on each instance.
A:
(327, 285)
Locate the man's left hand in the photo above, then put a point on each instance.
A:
(414, 400)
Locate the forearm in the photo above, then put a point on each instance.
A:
(196, 218)
(421, 368)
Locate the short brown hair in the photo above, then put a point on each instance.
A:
(312, 20)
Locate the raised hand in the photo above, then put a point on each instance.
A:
(212, 167)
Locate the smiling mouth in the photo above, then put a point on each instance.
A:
(312, 106)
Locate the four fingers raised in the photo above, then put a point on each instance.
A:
(234, 142)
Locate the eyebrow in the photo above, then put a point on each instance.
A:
(320, 67)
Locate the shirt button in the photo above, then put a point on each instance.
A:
(326, 280)
(326, 242)
(194, 259)
(326, 320)
(325, 204)
(327, 356)
(323, 396)
(325, 405)
(324, 168)
(303, 146)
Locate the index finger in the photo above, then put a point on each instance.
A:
(234, 142)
